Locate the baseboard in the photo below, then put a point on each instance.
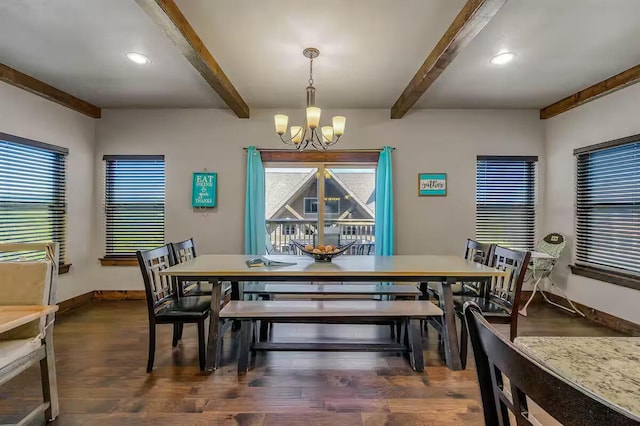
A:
(119, 295)
(86, 298)
(600, 317)
(75, 302)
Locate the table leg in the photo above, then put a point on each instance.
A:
(214, 326)
(449, 331)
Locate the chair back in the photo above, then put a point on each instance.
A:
(31, 282)
(158, 288)
(505, 291)
(478, 252)
(183, 250)
(495, 356)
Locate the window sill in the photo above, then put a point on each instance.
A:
(64, 268)
(624, 280)
(119, 261)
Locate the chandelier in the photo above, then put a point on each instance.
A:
(308, 135)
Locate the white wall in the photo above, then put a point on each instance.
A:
(426, 141)
(611, 117)
(29, 116)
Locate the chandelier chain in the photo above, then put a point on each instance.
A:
(311, 71)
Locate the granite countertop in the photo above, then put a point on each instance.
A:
(607, 366)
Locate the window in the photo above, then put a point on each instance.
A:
(331, 205)
(505, 201)
(608, 206)
(310, 205)
(33, 205)
(134, 204)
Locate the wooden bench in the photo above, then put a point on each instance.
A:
(407, 312)
(266, 290)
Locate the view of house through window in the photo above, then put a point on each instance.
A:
(294, 213)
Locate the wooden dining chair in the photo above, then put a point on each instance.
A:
(500, 302)
(473, 250)
(184, 251)
(164, 305)
(496, 357)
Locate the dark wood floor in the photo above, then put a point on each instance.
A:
(101, 359)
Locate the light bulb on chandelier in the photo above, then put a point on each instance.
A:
(310, 134)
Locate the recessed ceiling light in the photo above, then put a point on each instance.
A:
(502, 58)
(138, 58)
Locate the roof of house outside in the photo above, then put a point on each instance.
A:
(285, 186)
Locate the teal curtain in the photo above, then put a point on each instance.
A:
(254, 214)
(384, 204)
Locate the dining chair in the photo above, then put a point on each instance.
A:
(473, 250)
(496, 358)
(31, 283)
(164, 306)
(184, 251)
(500, 302)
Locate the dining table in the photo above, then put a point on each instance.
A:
(607, 367)
(446, 270)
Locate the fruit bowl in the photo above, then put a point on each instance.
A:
(321, 255)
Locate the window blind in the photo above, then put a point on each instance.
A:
(32, 195)
(134, 204)
(608, 208)
(505, 201)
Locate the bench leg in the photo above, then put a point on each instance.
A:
(264, 330)
(415, 344)
(245, 346)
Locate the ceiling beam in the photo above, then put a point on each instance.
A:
(591, 93)
(167, 15)
(473, 16)
(37, 87)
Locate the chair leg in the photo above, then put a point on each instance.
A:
(49, 378)
(177, 333)
(152, 347)
(202, 357)
(463, 343)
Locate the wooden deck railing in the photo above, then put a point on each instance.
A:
(281, 231)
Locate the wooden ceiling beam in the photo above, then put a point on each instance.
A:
(473, 16)
(37, 87)
(591, 93)
(167, 15)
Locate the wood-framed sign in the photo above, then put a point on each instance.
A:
(203, 192)
(432, 184)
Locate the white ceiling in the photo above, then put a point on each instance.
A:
(370, 49)
(79, 46)
(563, 46)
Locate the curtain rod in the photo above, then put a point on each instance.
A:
(329, 150)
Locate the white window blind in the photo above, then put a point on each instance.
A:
(608, 206)
(32, 194)
(505, 201)
(134, 204)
